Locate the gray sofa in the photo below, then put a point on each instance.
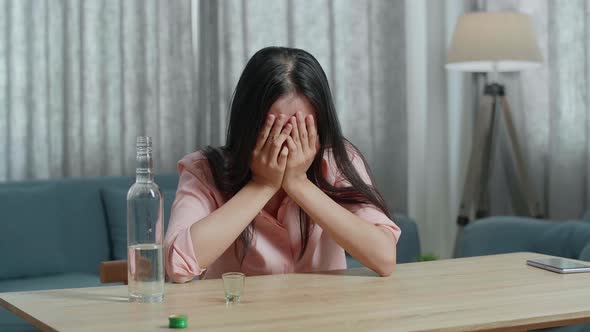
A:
(498, 235)
(56, 232)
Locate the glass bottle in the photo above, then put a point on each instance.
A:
(145, 231)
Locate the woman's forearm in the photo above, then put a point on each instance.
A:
(372, 246)
(212, 235)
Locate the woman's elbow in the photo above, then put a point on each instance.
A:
(387, 266)
(179, 279)
(385, 255)
(177, 274)
(180, 274)
(181, 267)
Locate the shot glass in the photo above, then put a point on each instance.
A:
(233, 284)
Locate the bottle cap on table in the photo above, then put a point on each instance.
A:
(177, 321)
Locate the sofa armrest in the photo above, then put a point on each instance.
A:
(408, 246)
(585, 253)
(499, 235)
(564, 239)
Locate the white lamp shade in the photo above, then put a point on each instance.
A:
(493, 41)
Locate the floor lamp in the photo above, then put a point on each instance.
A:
(492, 42)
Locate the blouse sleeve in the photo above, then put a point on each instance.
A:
(368, 212)
(194, 201)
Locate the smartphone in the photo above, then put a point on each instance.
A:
(559, 265)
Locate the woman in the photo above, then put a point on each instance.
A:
(288, 193)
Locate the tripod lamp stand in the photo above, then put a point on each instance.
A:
(493, 42)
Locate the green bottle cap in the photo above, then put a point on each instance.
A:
(177, 321)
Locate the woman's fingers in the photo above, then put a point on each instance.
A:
(294, 138)
(302, 129)
(311, 132)
(277, 144)
(283, 156)
(291, 143)
(295, 132)
(299, 132)
(270, 119)
(275, 131)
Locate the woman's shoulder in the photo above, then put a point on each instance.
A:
(352, 153)
(333, 173)
(197, 164)
(197, 156)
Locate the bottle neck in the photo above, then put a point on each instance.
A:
(144, 171)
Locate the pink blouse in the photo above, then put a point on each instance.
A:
(276, 242)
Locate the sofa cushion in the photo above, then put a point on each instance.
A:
(500, 235)
(408, 246)
(32, 232)
(564, 239)
(115, 203)
(167, 181)
(85, 222)
(585, 253)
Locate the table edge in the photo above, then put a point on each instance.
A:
(537, 325)
(28, 318)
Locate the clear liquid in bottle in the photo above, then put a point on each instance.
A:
(147, 281)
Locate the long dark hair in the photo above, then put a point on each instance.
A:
(271, 73)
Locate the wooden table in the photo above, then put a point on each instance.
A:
(481, 293)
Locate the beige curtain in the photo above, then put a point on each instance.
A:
(439, 122)
(551, 107)
(80, 79)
